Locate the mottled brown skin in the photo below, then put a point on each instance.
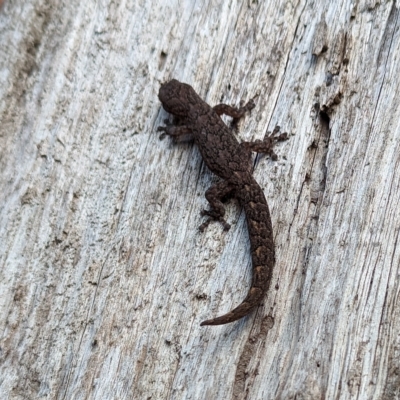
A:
(231, 161)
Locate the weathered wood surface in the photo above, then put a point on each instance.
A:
(104, 276)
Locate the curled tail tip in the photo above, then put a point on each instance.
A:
(226, 318)
(217, 321)
(232, 316)
(252, 300)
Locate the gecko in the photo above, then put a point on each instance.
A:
(231, 161)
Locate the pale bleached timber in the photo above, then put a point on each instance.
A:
(104, 276)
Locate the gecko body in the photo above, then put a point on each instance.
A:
(231, 161)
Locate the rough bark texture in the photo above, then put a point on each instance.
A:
(104, 276)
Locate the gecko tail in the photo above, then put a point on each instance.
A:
(262, 252)
(252, 300)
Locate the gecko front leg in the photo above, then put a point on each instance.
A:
(266, 146)
(234, 112)
(180, 133)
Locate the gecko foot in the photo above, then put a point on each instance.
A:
(266, 146)
(213, 216)
(281, 137)
(162, 129)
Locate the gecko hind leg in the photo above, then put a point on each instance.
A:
(215, 195)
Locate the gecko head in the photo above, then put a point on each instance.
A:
(176, 97)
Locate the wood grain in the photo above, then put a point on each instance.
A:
(99, 218)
